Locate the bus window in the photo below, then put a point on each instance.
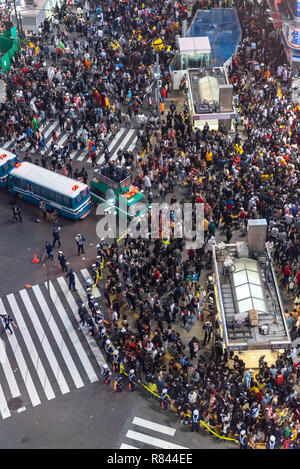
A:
(66, 201)
(78, 198)
(58, 198)
(36, 189)
(84, 193)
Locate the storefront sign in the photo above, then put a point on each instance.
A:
(291, 36)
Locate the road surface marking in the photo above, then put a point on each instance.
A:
(31, 348)
(58, 338)
(73, 335)
(45, 343)
(154, 426)
(22, 364)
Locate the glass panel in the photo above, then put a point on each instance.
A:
(239, 278)
(242, 292)
(256, 291)
(259, 305)
(253, 277)
(251, 264)
(245, 305)
(239, 264)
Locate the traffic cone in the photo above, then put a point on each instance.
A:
(35, 259)
(65, 173)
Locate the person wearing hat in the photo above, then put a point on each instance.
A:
(109, 351)
(165, 401)
(272, 444)
(243, 440)
(106, 373)
(132, 380)
(62, 261)
(118, 385)
(56, 237)
(71, 276)
(49, 250)
(79, 241)
(116, 361)
(195, 422)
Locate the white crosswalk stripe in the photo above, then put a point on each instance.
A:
(18, 355)
(48, 355)
(123, 143)
(31, 348)
(123, 139)
(146, 439)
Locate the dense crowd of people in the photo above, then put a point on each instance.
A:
(102, 63)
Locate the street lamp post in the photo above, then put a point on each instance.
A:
(157, 79)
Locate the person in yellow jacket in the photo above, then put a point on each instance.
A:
(152, 389)
(209, 157)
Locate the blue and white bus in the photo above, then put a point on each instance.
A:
(33, 183)
(7, 161)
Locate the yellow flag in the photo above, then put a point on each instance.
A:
(279, 92)
(37, 51)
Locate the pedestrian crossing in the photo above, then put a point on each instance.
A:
(124, 139)
(49, 354)
(150, 436)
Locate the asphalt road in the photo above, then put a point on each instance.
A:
(93, 418)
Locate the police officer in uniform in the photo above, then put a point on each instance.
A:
(71, 278)
(63, 261)
(106, 373)
(82, 311)
(104, 337)
(164, 400)
(132, 380)
(109, 351)
(195, 422)
(116, 361)
(56, 237)
(49, 251)
(7, 320)
(243, 440)
(118, 383)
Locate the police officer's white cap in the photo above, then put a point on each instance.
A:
(196, 412)
(105, 366)
(98, 246)
(108, 342)
(98, 257)
(131, 372)
(60, 252)
(116, 352)
(272, 438)
(164, 391)
(210, 278)
(93, 265)
(92, 297)
(243, 432)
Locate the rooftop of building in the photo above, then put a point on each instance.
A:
(247, 283)
(222, 27)
(205, 89)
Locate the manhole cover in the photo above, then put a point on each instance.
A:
(15, 403)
